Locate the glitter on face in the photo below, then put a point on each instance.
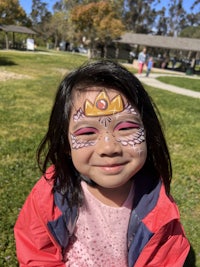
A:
(107, 139)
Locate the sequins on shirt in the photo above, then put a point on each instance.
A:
(100, 237)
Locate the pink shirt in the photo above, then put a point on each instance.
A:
(100, 237)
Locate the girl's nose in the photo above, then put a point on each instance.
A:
(108, 146)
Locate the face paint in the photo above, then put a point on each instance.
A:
(130, 110)
(138, 150)
(105, 121)
(80, 143)
(134, 139)
(78, 115)
(103, 106)
(108, 111)
(107, 139)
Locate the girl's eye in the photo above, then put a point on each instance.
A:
(124, 126)
(85, 131)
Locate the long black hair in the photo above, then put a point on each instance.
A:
(55, 149)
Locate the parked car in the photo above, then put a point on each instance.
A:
(64, 46)
(178, 65)
(197, 66)
(80, 50)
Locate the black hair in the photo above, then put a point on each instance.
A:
(55, 146)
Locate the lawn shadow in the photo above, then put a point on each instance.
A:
(4, 61)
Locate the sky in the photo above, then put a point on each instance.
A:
(26, 4)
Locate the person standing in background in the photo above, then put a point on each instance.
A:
(141, 60)
(149, 66)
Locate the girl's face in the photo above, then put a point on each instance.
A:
(106, 136)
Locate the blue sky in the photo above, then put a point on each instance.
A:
(26, 4)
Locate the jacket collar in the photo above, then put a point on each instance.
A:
(63, 227)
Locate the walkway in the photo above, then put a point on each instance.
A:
(152, 81)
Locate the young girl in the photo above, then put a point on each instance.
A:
(105, 198)
(149, 66)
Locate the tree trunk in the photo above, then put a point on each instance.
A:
(6, 39)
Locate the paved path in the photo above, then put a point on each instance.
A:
(152, 81)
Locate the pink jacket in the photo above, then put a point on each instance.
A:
(155, 235)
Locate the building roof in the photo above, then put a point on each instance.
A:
(14, 28)
(161, 41)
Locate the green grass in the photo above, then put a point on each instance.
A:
(187, 83)
(24, 111)
(182, 128)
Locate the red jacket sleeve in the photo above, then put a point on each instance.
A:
(167, 248)
(34, 244)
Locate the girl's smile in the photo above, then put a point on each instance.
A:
(111, 169)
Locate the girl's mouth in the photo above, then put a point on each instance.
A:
(112, 169)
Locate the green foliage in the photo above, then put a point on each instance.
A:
(140, 16)
(103, 24)
(191, 32)
(12, 13)
(24, 111)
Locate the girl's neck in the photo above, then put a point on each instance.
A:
(114, 197)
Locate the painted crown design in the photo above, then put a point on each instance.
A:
(103, 105)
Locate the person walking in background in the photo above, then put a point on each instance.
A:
(141, 60)
(149, 66)
(104, 196)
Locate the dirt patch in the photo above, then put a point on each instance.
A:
(64, 72)
(6, 75)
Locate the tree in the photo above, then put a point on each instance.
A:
(177, 17)
(40, 17)
(58, 27)
(140, 17)
(194, 17)
(191, 32)
(61, 27)
(12, 13)
(161, 26)
(39, 12)
(98, 22)
(196, 3)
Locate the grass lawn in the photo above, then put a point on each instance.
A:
(24, 111)
(187, 83)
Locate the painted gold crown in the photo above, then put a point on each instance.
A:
(103, 105)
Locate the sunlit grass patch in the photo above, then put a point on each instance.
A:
(183, 82)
